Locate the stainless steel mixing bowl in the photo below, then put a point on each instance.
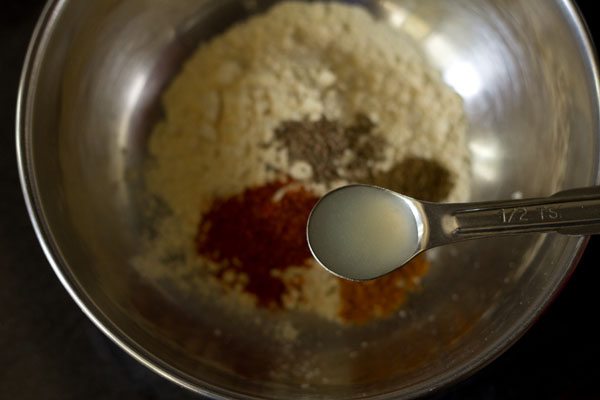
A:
(90, 94)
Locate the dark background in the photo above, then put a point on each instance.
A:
(49, 350)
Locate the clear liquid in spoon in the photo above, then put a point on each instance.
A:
(362, 232)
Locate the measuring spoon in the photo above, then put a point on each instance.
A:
(361, 232)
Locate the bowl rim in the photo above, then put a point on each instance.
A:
(26, 93)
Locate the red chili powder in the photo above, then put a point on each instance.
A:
(256, 232)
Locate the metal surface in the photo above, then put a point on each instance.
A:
(571, 212)
(90, 93)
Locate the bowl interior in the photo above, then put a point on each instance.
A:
(92, 95)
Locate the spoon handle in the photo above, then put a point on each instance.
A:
(572, 212)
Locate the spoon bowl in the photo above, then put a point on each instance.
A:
(361, 232)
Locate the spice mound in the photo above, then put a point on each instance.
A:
(257, 233)
(267, 117)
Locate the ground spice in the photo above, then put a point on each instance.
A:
(317, 143)
(368, 147)
(365, 301)
(332, 150)
(260, 231)
(417, 177)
